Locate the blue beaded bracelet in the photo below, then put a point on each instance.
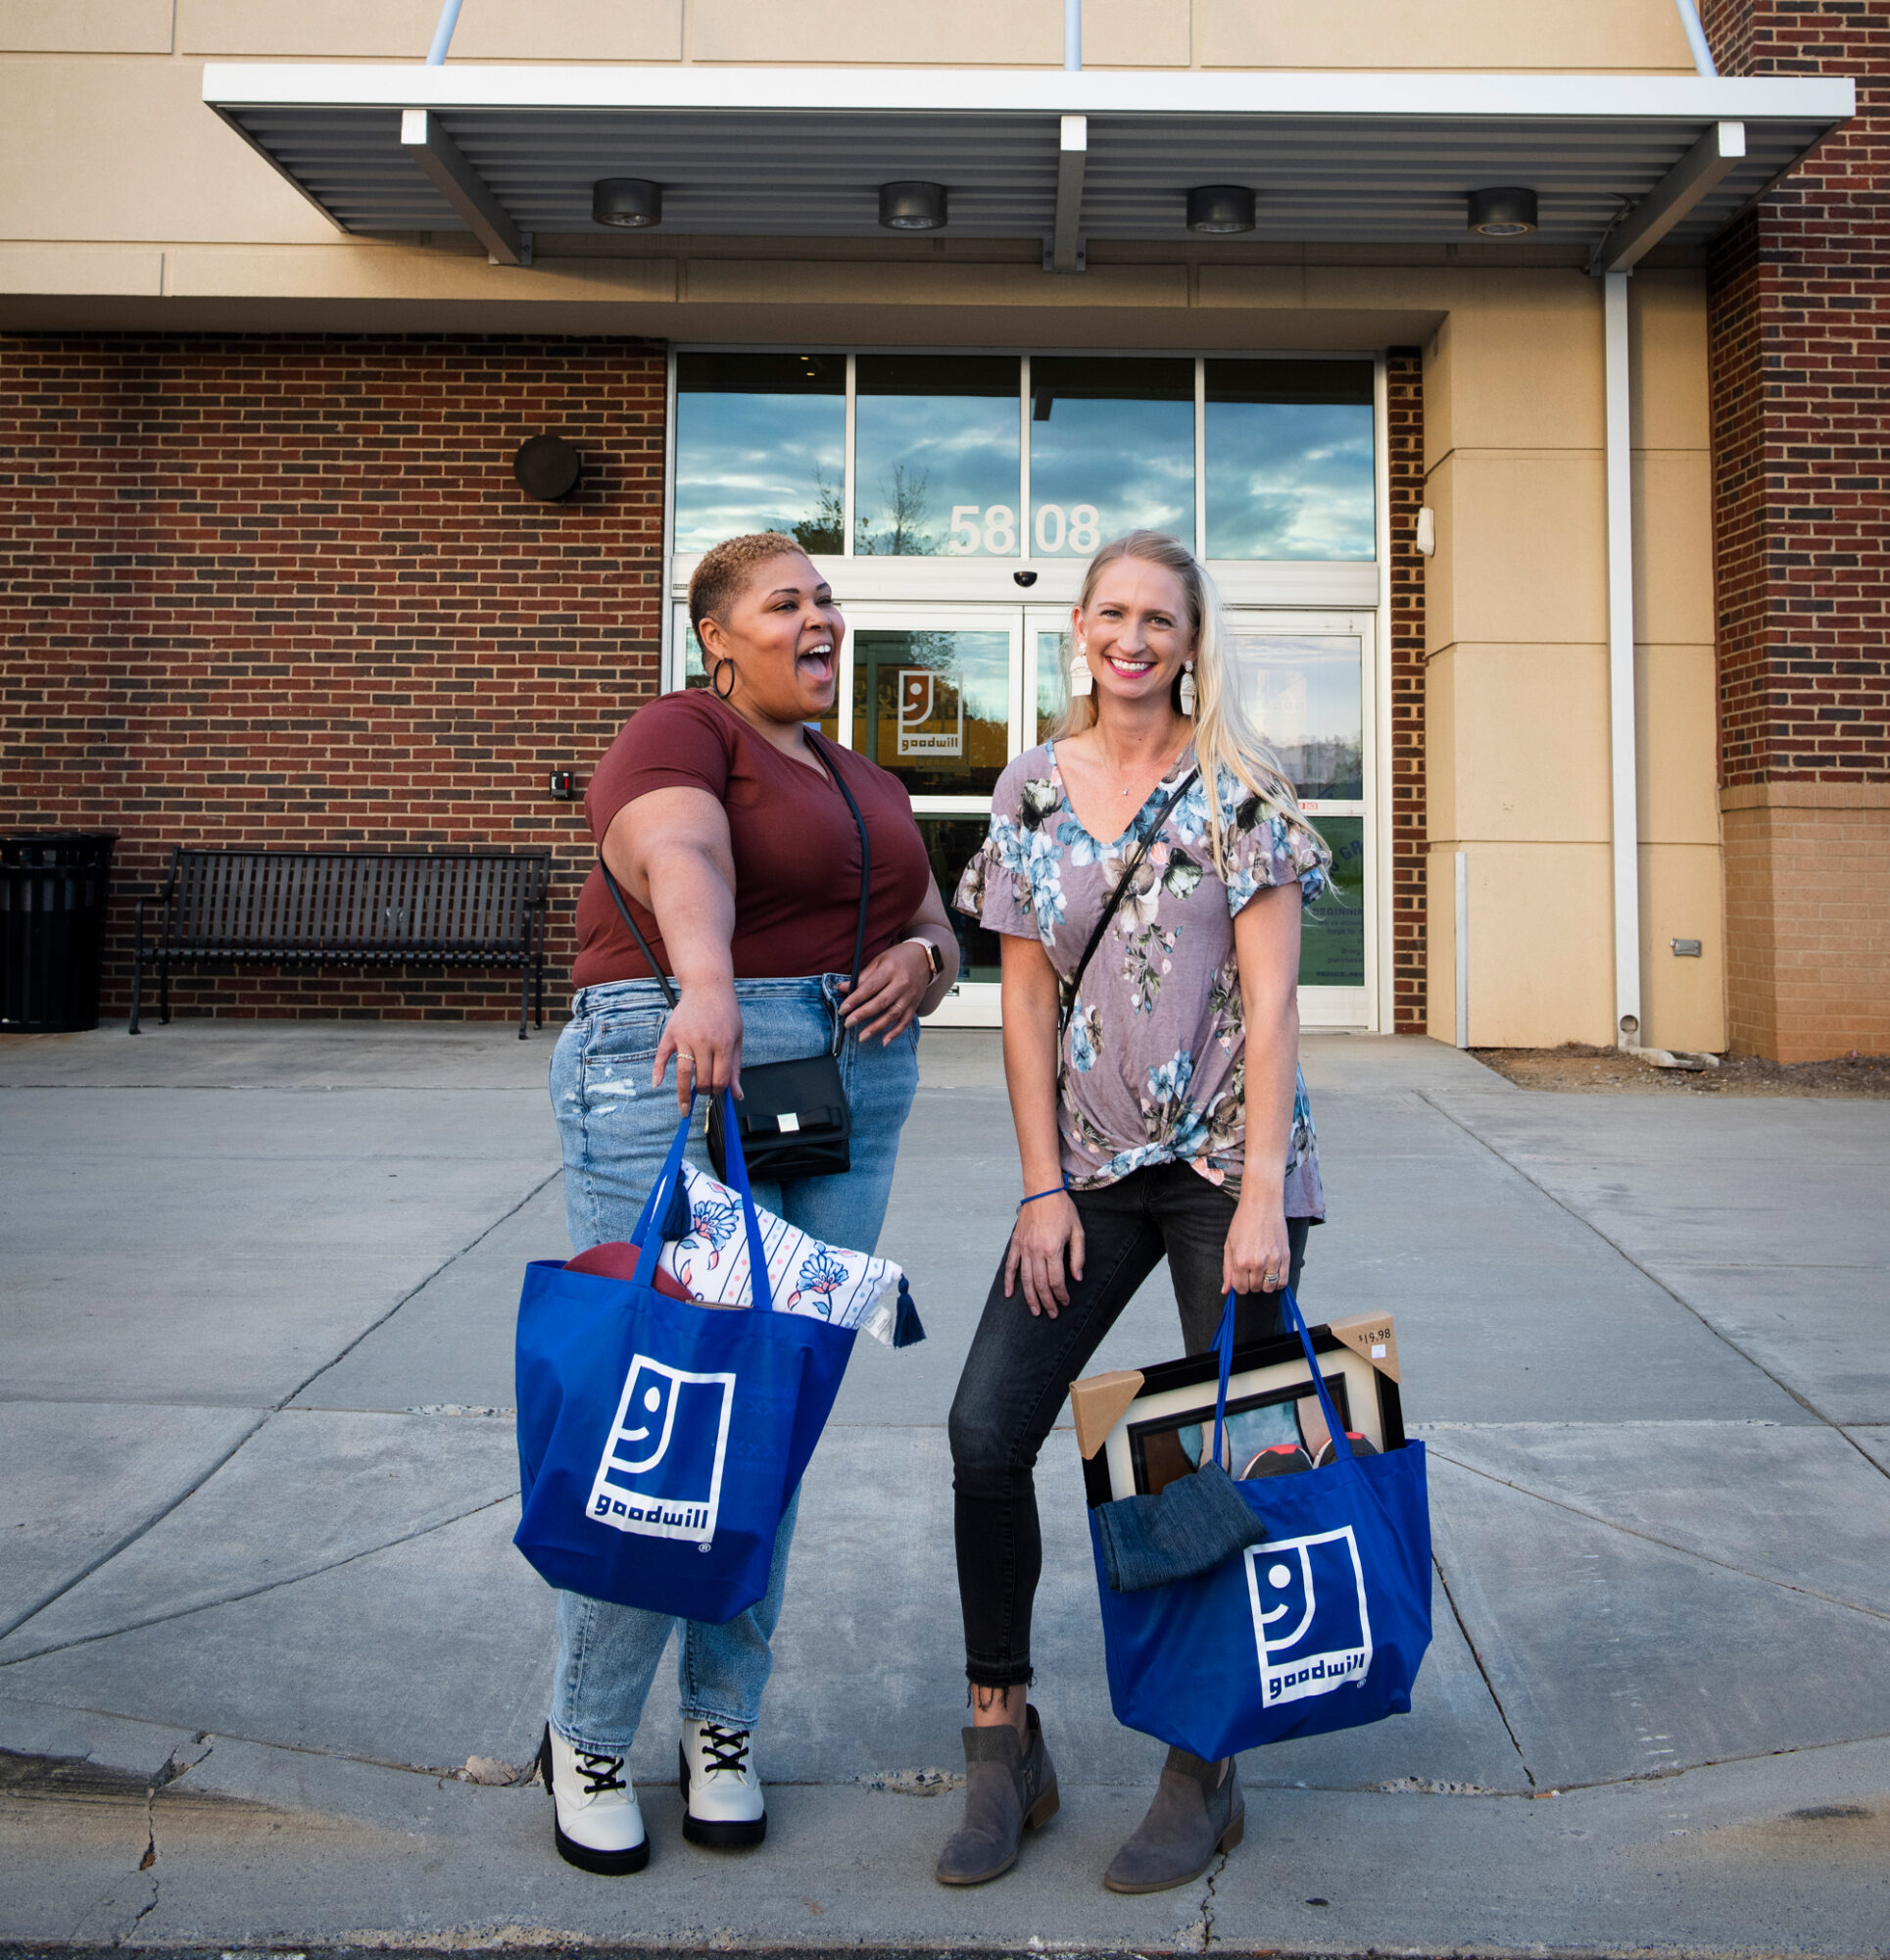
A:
(1055, 1191)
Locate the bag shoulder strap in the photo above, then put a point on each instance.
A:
(818, 743)
(643, 945)
(865, 881)
(1075, 981)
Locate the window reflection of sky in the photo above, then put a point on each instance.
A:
(1303, 694)
(1133, 461)
(929, 453)
(758, 462)
(1289, 480)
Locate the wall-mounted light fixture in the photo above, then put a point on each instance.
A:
(912, 206)
(546, 468)
(1219, 210)
(1427, 536)
(632, 204)
(1507, 212)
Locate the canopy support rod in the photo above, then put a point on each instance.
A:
(1624, 830)
(1073, 34)
(464, 188)
(1066, 253)
(443, 34)
(1699, 171)
(1702, 49)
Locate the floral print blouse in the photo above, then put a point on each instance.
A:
(1154, 1065)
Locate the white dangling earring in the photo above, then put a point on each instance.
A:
(1188, 688)
(1082, 680)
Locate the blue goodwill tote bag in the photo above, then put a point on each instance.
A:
(1321, 1627)
(658, 1440)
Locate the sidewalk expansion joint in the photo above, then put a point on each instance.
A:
(1652, 1538)
(452, 1260)
(1496, 1700)
(183, 1496)
(1647, 1273)
(257, 1592)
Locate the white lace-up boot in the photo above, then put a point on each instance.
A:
(599, 1823)
(721, 1793)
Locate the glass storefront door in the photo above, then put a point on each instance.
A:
(1308, 684)
(952, 499)
(943, 697)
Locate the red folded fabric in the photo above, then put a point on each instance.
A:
(617, 1260)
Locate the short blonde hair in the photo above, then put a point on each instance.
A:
(723, 572)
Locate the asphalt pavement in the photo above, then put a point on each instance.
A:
(271, 1669)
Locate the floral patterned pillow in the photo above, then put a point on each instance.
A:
(710, 1261)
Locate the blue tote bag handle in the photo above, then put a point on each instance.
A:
(650, 1234)
(1296, 1324)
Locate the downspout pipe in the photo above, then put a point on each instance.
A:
(443, 34)
(1622, 736)
(1704, 64)
(1073, 34)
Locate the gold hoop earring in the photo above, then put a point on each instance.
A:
(715, 686)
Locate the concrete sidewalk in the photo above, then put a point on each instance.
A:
(259, 1608)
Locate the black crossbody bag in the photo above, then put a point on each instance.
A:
(1068, 989)
(793, 1115)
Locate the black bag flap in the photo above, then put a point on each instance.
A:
(788, 1099)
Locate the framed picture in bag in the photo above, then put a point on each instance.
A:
(1140, 1429)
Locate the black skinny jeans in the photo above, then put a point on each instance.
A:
(1020, 1366)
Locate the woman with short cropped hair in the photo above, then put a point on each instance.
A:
(722, 819)
(1159, 1112)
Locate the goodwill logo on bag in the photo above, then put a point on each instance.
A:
(662, 1470)
(1309, 1616)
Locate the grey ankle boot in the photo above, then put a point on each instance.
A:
(1196, 1812)
(1008, 1784)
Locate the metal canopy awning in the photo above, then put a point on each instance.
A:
(505, 152)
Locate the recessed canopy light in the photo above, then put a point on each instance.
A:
(1508, 212)
(630, 202)
(1220, 208)
(912, 206)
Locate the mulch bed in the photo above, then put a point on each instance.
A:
(1607, 1071)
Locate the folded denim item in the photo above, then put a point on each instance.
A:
(1189, 1527)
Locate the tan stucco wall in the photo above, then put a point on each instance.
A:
(1519, 754)
(1513, 35)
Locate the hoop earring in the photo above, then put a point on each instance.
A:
(715, 686)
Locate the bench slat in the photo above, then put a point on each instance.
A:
(355, 905)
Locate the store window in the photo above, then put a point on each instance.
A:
(936, 446)
(938, 466)
(1112, 450)
(1288, 454)
(761, 446)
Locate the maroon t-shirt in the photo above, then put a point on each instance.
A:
(796, 845)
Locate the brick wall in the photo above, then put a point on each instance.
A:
(1802, 545)
(284, 591)
(1404, 441)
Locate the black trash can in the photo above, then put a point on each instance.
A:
(52, 928)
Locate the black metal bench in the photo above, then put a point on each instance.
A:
(474, 909)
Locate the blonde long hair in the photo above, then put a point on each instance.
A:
(1224, 737)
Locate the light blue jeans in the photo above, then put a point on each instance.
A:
(617, 1130)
